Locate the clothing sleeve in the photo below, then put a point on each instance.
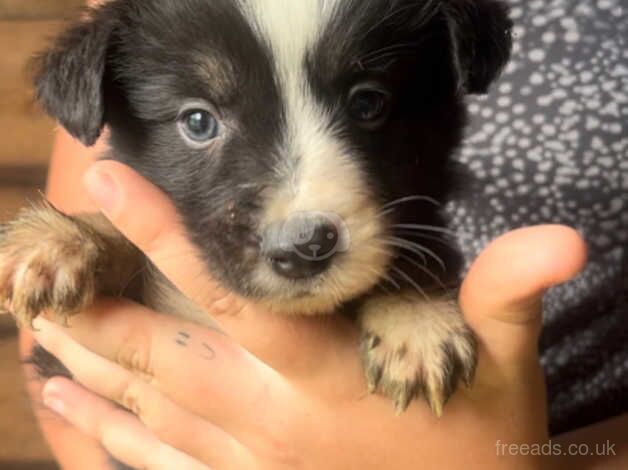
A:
(549, 144)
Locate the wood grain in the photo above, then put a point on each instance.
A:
(27, 131)
(19, 432)
(36, 9)
(25, 26)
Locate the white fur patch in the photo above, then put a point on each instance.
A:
(419, 341)
(319, 172)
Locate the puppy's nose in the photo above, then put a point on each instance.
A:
(302, 249)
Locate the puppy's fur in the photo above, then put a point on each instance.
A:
(279, 76)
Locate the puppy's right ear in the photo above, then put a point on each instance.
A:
(69, 77)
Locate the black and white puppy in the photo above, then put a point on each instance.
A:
(306, 145)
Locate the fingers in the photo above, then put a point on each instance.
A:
(122, 194)
(119, 432)
(147, 218)
(220, 380)
(502, 294)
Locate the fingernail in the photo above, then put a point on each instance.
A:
(52, 398)
(102, 190)
(39, 324)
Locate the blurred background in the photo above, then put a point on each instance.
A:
(25, 26)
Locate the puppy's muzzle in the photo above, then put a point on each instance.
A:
(304, 246)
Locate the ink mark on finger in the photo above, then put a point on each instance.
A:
(208, 352)
(182, 339)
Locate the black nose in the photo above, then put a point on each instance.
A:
(302, 249)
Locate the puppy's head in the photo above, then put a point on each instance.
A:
(303, 141)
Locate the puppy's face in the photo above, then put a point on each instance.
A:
(297, 138)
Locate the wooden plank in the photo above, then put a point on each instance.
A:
(12, 199)
(27, 132)
(37, 9)
(21, 439)
(23, 176)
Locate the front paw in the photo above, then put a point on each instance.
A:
(47, 263)
(412, 347)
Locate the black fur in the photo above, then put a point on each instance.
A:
(481, 40)
(70, 77)
(46, 365)
(131, 64)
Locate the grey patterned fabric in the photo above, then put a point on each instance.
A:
(550, 145)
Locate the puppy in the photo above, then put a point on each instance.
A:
(306, 145)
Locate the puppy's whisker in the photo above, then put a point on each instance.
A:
(385, 278)
(412, 282)
(390, 280)
(424, 250)
(404, 246)
(427, 228)
(416, 198)
(385, 213)
(425, 269)
(383, 288)
(444, 240)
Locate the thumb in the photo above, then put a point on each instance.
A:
(503, 293)
(146, 216)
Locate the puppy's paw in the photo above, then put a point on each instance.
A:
(47, 263)
(411, 347)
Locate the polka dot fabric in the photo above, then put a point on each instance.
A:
(550, 145)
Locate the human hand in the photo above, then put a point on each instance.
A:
(298, 401)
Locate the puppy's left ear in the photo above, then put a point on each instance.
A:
(69, 77)
(481, 33)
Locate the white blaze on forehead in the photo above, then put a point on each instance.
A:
(291, 28)
(314, 163)
(318, 170)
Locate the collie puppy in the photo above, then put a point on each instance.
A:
(307, 147)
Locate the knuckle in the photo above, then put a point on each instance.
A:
(142, 399)
(276, 444)
(134, 354)
(278, 450)
(132, 397)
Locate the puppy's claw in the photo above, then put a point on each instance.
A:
(417, 354)
(402, 399)
(437, 402)
(372, 369)
(374, 341)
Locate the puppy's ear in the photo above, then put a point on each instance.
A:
(69, 77)
(481, 33)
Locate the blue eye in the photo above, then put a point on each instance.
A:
(199, 126)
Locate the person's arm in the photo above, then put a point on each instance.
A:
(607, 443)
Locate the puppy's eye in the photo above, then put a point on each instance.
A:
(369, 107)
(199, 125)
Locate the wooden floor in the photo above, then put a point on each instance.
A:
(25, 26)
